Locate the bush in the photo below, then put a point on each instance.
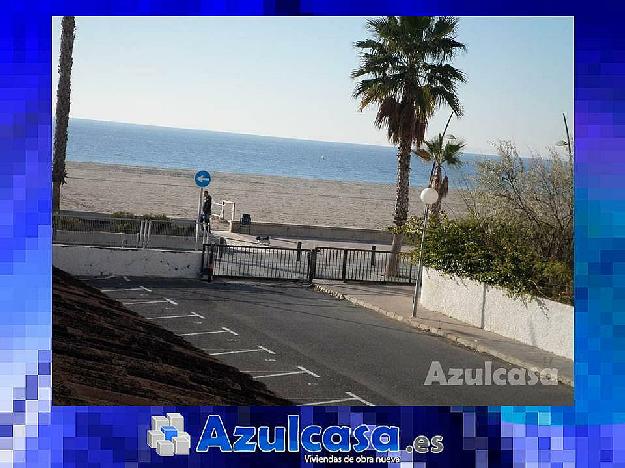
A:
(495, 252)
(534, 193)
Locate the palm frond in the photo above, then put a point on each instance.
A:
(423, 154)
(404, 69)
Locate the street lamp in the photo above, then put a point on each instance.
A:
(428, 196)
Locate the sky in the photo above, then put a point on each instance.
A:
(290, 77)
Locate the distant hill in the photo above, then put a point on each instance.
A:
(105, 354)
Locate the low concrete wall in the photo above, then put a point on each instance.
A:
(158, 241)
(115, 239)
(107, 239)
(546, 324)
(309, 231)
(103, 261)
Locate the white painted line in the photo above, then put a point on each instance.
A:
(235, 352)
(195, 314)
(307, 371)
(171, 302)
(328, 402)
(169, 317)
(223, 330)
(352, 396)
(238, 351)
(203, 333)
(140, 288)
(126, 278)
(265, 349)
(279, 374)
(363, 401)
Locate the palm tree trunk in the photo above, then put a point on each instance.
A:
(401, 205)
(62, 109)
(435, 183)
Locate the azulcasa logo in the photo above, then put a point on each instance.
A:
(167, 435)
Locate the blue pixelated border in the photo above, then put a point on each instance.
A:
(590, 434)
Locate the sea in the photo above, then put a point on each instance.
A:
(164, 147)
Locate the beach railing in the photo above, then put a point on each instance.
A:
(222, 209)
(103, 231)
(109, 231)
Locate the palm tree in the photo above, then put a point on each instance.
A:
(62, 109)
(405, 72)
(440, 151)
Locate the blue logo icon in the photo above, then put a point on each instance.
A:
(168, 437)
(202, 179)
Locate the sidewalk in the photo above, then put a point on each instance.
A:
(395, 301)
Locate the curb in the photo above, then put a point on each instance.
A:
(415, 323)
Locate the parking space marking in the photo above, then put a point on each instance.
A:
(126, 279)
(157, 301)
(362, 400)
(171, 302)
(170, 317)
(302, 370)
(307, 371)
(279, 374)
(223, 330)
(238, 351)
(265, 349)
(352, 396)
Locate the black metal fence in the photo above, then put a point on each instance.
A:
(306, 265)
(363, 265)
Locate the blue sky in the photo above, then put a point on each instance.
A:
(289, 77)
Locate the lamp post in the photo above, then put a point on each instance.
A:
(428, 196)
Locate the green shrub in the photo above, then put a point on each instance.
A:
(494, 252)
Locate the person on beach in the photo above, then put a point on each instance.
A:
(205, 217)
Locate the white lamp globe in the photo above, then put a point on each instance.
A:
(429, 196)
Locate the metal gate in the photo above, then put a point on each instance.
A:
(305, 265)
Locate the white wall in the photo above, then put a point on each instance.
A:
(112, 239)
(307, 231)
(115, 239)
(546, 324)
(99, 261)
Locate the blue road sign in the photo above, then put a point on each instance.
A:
(202, 179)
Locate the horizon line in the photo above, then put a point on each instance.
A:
(250, 134)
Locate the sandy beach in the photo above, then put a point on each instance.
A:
(141, 190)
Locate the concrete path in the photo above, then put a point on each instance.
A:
(315, 350)
(395, 301)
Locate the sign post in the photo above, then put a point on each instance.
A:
(202, 179)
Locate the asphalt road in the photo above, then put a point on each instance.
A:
(314, 349)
